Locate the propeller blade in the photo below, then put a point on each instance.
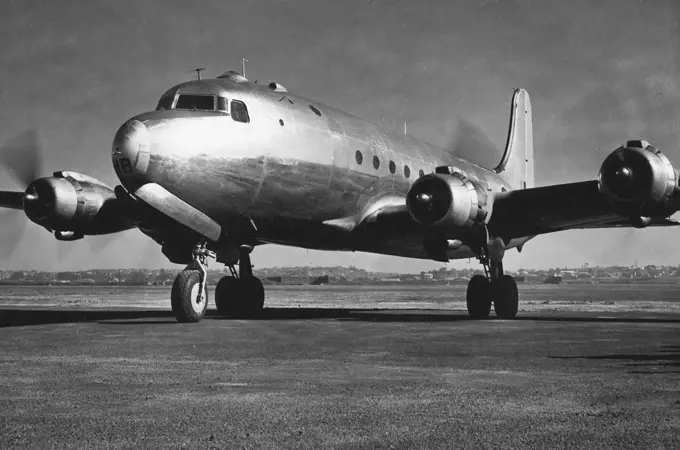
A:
(12, 226)
(96, 244)
(100, 243)
(472, 144)
(11, 199)
(21, 157)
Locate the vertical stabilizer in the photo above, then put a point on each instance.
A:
(517, 164)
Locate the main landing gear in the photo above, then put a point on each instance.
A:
(495, 287)
(240, 294)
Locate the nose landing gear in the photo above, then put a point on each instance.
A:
(189, 296)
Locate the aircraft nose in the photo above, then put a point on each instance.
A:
(130, 150)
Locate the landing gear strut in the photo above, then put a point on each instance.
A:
(189, 297)
(495, 287)
(240, 294)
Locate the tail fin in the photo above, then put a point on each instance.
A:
(517, 164)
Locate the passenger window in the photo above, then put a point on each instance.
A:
(165, 102)
(393, 167)
(421, 173)
(407, 172)
(376, 162)
(359, 157)
(196, 102)
(239, 112)
(222, 104)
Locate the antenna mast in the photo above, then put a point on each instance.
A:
(243, 67)
(198, 72)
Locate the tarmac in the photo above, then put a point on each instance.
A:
(338, 378)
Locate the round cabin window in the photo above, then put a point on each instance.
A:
(376, 162)
(407, 172)
(421, 173)
(359, 157)
(393, 167)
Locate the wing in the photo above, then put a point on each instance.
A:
(520, 213)
(529, 212)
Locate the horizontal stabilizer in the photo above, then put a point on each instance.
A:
(10, 199)
(177, 209)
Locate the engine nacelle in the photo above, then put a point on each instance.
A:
(447, 200)
(638, 179)
(73, 205)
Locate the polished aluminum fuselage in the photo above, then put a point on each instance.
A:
(289, 173)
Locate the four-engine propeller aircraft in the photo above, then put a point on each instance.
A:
(224, 165)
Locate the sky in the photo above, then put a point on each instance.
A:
(598, 72)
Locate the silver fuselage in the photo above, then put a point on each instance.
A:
(289, 171)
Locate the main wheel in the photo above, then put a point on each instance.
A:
(479, 297)
(187, 304)
(254, 295)
(228, 295)
(239, 296)
(505, 297)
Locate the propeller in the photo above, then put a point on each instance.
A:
(627, 174)
(21, 157)
(471, 143)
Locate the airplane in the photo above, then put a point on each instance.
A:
(224, 165)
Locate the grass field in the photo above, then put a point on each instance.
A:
(640, 297)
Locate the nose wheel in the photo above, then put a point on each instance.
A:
(189, 295)
(494, 287)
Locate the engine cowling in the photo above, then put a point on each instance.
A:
(638, 179)
(73, 205)
(447, 200)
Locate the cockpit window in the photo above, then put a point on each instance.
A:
(165, 102)
(239, 112)
(222, 104)
(196, 102)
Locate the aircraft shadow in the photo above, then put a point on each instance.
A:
(668, 357)
(25, 317)
(405, 315)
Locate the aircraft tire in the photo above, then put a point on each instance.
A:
(183, 297)
(254, 295)
(239, 297)
(505, 297)
(479, 297)
(228, 294)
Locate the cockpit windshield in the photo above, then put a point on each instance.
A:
(196, 102)
(165, 102)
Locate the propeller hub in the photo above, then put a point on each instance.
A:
(624, 174)
(424, 198)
